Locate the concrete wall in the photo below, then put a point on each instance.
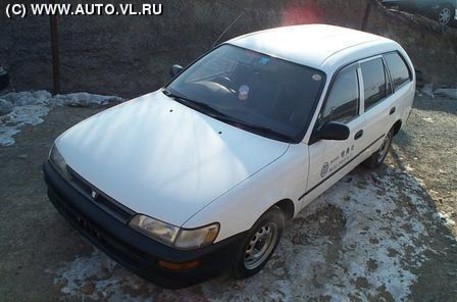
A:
(129, 56)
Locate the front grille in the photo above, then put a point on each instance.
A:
(100, 199)
(103, 239)
(88, 227)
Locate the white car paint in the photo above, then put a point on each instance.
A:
(310, 45)
(161, 158)
(299, 169)
(170, 162)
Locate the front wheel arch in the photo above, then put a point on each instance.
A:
(259, 244)
(288, 208)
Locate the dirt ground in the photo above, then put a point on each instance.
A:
(386, 235)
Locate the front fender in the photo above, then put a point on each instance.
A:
(238, 209)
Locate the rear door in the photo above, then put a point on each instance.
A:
(379, 103)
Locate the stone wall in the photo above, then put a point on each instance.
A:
(129, 56)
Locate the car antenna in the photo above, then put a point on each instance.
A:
(228, 28)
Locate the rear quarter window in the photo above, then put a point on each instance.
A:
(398, 69)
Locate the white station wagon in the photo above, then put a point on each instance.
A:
(200, 176)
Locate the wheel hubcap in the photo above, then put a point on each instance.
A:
(260, 245)
(445, 16)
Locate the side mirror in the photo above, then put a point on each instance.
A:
(175, 70)
(334, 131)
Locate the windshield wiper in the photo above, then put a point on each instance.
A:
(213, 112)
(268, 132)
(171, 94)
(200, 106)
(256, 128)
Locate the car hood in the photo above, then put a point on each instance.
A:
(163, 159)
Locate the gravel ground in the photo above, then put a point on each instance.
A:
(385, 235)
(427, 149)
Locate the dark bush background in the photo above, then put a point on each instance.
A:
(131, 55)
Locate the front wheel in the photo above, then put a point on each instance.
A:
(377, 158)
(259, 244)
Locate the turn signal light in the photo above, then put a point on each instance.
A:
(172, 266)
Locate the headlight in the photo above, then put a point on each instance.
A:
(194, 238)
(58, 162)
(175, 236)
(156, 229)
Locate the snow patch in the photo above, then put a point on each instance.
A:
(84, 99)
(379, 247)
(428, 90)
(447, 92)
(18, 109)
(6, 135)
(39, 97)
(444, 218)
(5, 107)
(97, 277)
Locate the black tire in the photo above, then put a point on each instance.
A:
(419, 79)
(4, 80)
(446, 14)
(259, 244)
(377, 158)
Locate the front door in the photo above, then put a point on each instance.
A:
(330, 159)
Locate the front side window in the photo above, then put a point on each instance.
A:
(375, 82)
(343, 99)
(253, 91)
(399, 72)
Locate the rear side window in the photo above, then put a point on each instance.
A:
(343, 100)
(398, 69)
(375, 83)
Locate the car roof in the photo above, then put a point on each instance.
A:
(320, 46)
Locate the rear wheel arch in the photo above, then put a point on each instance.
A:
(377, 158)
(396, 127)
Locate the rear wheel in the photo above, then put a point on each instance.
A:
(377, 158)
(446, 14)
(259, 244)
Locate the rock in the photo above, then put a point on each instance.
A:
(428, 119)
(88, 288)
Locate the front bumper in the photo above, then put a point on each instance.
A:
(131, 248)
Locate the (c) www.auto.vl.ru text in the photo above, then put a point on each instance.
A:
(93, 9)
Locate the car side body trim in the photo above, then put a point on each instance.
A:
(340, 168)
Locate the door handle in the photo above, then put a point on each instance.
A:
(392, 110)
(358, 134)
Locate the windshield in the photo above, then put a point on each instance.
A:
(259, 93)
